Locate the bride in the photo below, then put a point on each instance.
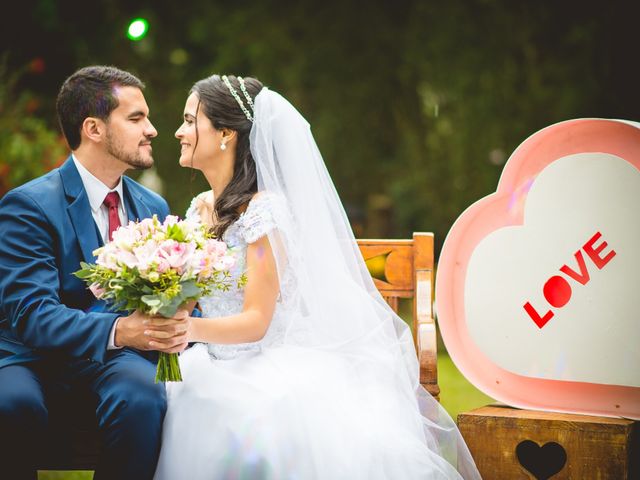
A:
(302, 371)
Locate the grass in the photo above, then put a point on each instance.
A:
(65, 475)
(456, 393)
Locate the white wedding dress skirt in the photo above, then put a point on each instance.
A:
(288, 413)
(269, 410)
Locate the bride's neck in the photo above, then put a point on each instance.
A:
(218, 181)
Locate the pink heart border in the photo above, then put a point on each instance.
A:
(506, 208)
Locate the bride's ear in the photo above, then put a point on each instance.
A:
(229, 135)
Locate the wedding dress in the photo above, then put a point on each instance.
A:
(331, 391)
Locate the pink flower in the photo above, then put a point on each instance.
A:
(216, 248)
(125, 237)
(127, 258)
(176, 254)
(97, 291)
(146, 226)
(107, 258)
(163, 265)
(171, 220)
(224, 263)
(146, 254)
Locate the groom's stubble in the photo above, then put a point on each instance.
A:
(135, 159)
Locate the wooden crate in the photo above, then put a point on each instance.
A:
(509, 443)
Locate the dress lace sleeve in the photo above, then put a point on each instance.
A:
(258, 220)
(196, 207)
(192, 211)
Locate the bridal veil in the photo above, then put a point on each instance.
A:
(325, 281)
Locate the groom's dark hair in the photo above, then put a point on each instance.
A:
(89, 92)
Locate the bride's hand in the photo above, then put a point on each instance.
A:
(169, 335)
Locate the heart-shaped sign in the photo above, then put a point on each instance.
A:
(537, 283)
(542, 462)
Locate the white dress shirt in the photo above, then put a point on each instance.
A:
(96, 191)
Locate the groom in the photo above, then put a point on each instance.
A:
(57, 342)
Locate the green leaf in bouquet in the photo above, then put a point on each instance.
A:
(116, 284)
(82, 274)
(174, 232)
(151, 300)
(86, 270)
(190, 289)
(169, 310)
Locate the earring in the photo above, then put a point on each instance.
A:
(223, 146)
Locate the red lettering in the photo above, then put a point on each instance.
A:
(557, 291)
(583, 276)
(535, 316)
(594, 252)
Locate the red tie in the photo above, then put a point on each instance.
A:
(111, 201)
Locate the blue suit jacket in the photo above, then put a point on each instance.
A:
(46, 230)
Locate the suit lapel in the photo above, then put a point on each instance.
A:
(137, 208)
(79, 210)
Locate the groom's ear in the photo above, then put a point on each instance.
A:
(94, 129)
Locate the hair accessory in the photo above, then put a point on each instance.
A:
(235, 95)
(246, 94)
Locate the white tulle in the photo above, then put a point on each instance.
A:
(332, 391)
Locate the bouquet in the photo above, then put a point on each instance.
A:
(156, 267)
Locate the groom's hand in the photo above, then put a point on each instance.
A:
(143, 332)
(169, 335)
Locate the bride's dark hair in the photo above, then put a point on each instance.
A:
(223, 110)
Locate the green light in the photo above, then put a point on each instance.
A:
(137, 29)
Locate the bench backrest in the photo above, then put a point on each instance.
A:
(404, 269)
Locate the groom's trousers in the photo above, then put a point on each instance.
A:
(128, 404)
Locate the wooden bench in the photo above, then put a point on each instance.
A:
(404, 269)
(401, 269)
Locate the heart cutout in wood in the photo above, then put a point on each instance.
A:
(542, 462)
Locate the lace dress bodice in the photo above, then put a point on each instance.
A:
(255, 222)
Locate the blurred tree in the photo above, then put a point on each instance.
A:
(415, 105)
(28, 146)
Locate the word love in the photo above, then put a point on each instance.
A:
(557, 290)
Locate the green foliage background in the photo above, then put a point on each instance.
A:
(415, 105)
